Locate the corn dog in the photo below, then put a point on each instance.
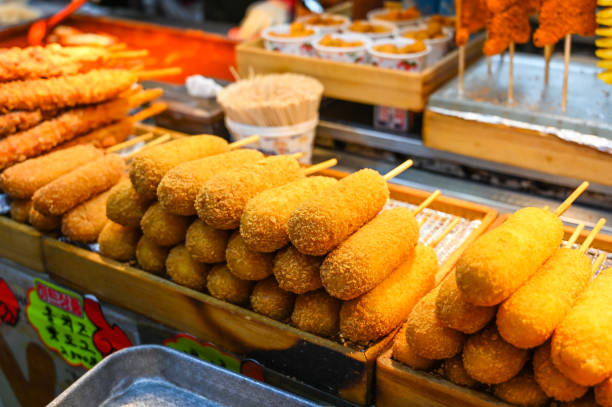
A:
(206, 244)
(118, 242)
(179, 188)
(363, 260)
(321, 223)
(22, 180)
(125, 206)
(455, 372)
(500, 261)
(317, 312)
(245, 263)
(586, 401)
(402, 352)
(69, 190)
(272, 301)
(550, 379)
(263, 225)
(297, 272)
(225, 286)
(222, 199)
(42, 222)
(603, 393)
(150, 256)
(581, 346)
(488, 359)
(20, 210)
(164, 228)
(150, 166)
(380, 310)
(521, 390)
(184, 270)
(85, 222)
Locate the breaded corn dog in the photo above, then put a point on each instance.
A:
(587, 401)
(125, 206)
(500, 261)
(64, 193)
(206, 244)
(227, 287)
(297, 272)
(245, 263)
(427, 336)
(379, 311)
(20, 210)
(321, 223)
(118, 242)
(403, 353)
(263, 225)
(23, 179)
(581, 346)
(317, 312)
(164, 228)
(222, 199)
(603, 393)
(489, 359)
(272, 301)
(184, 270)
(42, 222)
(455, 372)
(179, 188)
(367, 257)
(149, 167)
(456, 313)
(521, 390)
(85, 222)
(150, 256)
(551, 380)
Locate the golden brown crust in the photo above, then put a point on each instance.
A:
(150, 256)
(455, 372)
(125, 206)
(297, 272)
(20, 210)
(272, 301)
(521, 390)
(245, 263)
(206, 244)
(317, 312)
(118, 242)
(404, 354)
(164, 228)
(551, 380)
(184, 270)
(225, 286)
(85, 222)
(603, 393)
(42, 222)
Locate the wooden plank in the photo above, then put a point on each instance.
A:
(21, 243)
(518, 147)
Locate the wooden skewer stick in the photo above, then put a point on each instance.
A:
(161, 139)
(152, 110)
(143, 96)
(130, 54)
(511, 74)
(589, 240)
(445, 232)
(234, 73)
(570, 199)
(320, 166)
(566, 60)
(156, 73)
(574, 236)
(427, 202)
(398, 170)
(461, 67)
(598, 262)
(421, 221)
(129, 143)
(244, 142)
(548, 51)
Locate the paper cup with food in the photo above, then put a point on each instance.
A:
(372, 30)
(325, 23)
(350, 48)
(437, 38)
(403, 54)
(401, 18)
(295, 39)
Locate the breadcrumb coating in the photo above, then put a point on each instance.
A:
(521, 390)
(118, 242)
(297, 272)
(317, 312)
(42, 222)
(455, 372)
(402, 352)
(246, 264)
(85, 222)
(551, 380)
(227, 287)
(184, 270)
(20, 210)
(603, 393)
(125, 206)
(272, 301)
(150, 256)
(164, 228)
(206, 244)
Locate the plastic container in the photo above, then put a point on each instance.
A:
(357, 54)
(289, 45)
(374, 16)
(391, 30)
(439, 47)
(343, 23)
(414, 62)
(298, 138)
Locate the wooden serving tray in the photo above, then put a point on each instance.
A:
(21, 243)
(359, 83)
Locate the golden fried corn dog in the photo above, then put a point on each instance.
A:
(69, 190)
(297, 272)
(521, 390)
(150, 256)
(85, 222)
(42, 222)
(317, 312)
(379, 311)
(227, 287)
(22, 180)
(362, 261)
(246, 264)
(20, 210)
(19, 120)
(118, 242)
(263, 225)
(402, 352)
(184, 270)
(272, 301)
(222, 199)
(456, 313)
(529, 317)
(550, 379)
(321, 223)
(603, 393)
(489, 359)
(206, 244)
(500, 261)
(581, 346)
(587, 401)
(179, 188)
(125, 206)
(455, 372)
(149, 166)
(164, 228)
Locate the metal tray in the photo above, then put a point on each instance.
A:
(152, 375)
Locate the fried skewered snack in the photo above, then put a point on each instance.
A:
(150, 256)
(603, 393)
(455, 372)
(272, 301)
(402, 352)
(125, 206)
(245, 263)
(22, 180)
(20, 210)
(508, 23)
(473, 18)
(19, 121)
(118, 242)
(297, 272)
(561, 17)
(84, 222)
(164, 228)
(317, 312)
(551, 380)
(521, 390)
(206, 244)
(69, 190)
(184, 270)
(223, 285)
(42, 222)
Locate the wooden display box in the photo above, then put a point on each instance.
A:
(21, 243)
(359, 83)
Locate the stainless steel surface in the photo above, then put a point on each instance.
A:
(151, 375)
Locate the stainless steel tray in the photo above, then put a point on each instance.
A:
(152, 375)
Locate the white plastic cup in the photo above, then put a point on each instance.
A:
(392, 30)
(356, 55)
(289, 45)
(298, 138)
(415, 62)
(439, 47)
(344, 22)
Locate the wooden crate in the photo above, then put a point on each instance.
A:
(21, 243)
(359, 83)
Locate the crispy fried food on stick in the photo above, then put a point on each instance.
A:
(473, 18)
(509, 22)
(561, 17)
